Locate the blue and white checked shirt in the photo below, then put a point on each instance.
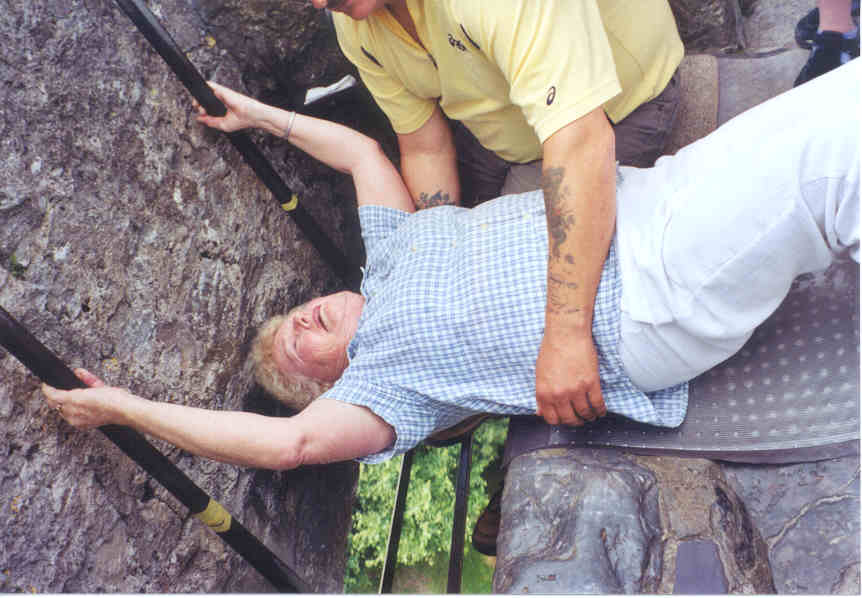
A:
(454, 316)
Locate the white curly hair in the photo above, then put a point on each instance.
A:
(295, 391)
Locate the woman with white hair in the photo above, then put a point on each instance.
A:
(451, 311)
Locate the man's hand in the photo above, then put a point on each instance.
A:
(567, 381)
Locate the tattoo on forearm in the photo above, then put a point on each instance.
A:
(562, 283)
(560, 216)
(561, 221)
(558, 300)
(430, 201)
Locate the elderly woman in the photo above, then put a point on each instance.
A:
(451, 312)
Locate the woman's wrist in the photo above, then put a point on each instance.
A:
(273, 120)
(290, 125)
(126, 408)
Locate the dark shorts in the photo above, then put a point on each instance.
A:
(640, 139)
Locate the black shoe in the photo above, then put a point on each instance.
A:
(488, 526)
(826, 54)
(806, 28)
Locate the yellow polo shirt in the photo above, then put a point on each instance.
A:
(514, 71)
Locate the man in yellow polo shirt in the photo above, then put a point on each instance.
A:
(513, 72)
(577, 84)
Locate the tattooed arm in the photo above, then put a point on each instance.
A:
(428, 163)
(578, 181)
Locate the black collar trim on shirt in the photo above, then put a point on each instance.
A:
(370, 56)
(469, 39)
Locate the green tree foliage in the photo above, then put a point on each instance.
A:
(427, 530)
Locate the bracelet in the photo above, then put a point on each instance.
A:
(290, 125)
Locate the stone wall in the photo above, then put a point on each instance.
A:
(711, 26)
(137, 244)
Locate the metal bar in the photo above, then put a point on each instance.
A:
(459, 523)
(168, 49)
(51, 370)
(389, 564)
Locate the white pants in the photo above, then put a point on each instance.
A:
(710, 240)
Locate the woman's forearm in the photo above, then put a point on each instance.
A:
(324, 432)
(229, 436)
(234, 437)
(376, 179)
(333, 144)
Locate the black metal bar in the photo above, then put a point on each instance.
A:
(50, 369)
(459, 522)
(389, 564)
(168, 49)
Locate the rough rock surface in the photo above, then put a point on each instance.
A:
(564, 539)
(137, 244)
(710, 26)
(588, 521)
(809, 516)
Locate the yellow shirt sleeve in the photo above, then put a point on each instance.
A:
(554, 54)
(360, 42)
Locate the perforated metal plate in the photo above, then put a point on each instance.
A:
(791, 394)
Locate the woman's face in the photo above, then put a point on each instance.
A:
(356, 9)
(313, 341)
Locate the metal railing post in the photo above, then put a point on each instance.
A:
(462, 495)
(459, 519)
(396, 525)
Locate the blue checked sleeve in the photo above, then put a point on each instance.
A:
(377, 223)
(410, 415)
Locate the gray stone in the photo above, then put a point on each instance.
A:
(772, 22)
(709, 26)
(747, 82)
(279, 44)
(698, 108)
(137, 244)
(699, 569)
(600, 521)
(809, 516)
(578, 522)
(697, 504)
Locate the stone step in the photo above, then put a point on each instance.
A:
(714, 90)
(698, 110)
(747, 82)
